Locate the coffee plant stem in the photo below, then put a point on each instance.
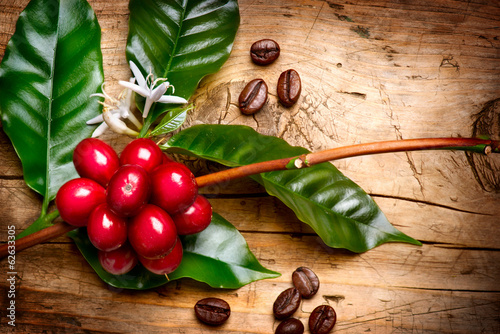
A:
(56, 230)
(306, 160)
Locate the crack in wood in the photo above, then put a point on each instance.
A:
(333, 298)
(485, 168)
(408, 199)
(448, 290)
(355, 94)
(453, 246)
(11, 177)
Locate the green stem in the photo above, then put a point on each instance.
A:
(145, 127)
(48, 233)
(45, 206)
(45, 220)
(144, 133)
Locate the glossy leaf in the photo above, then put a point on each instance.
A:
(338, 210)
(181, 40)
(51, 65)
(218, 256)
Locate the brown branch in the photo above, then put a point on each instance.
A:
(239, 172)
(310, 159)
(306, 160)
(405, 145)
(49, 233)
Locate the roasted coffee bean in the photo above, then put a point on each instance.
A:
(289, 87)
(290, 326)
(287, 303)
(322, 319)
(306, 281)
(212, 311)
(253, 97)
(264, 52)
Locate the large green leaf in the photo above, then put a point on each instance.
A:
(338, 210)
(51, 65)
(182, 40)
(218, 256)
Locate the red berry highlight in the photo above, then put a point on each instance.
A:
(195, 218)
(119, 261)
(143, 152)
(128, 190)
(106, 230)
(174, 187)
(76, 199)
(95, 160)
(152, 232)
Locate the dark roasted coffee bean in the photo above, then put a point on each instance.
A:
(287, 303)
(306, 281)
(289, 87)
(290, 326)
(322, 319)
(212, 311)
(264, 52)
(253, 97)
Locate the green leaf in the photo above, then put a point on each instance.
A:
(218, 256)
(181, 40)
(51, 65)
(338, 210)
(172, 120)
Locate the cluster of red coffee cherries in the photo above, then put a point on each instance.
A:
(134, 206)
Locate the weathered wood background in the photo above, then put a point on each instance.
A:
(371, 70)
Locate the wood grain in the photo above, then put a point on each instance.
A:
(371, 70)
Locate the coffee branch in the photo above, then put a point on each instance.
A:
(484, 146)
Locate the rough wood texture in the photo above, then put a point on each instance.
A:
(371, 70)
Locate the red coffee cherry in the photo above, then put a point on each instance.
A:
(128, 190)
(76, 199)
(143, 152)
(174, 187)
(166, 264)
(152, 232)
(195, 218)
(95, 160)
(106, 231)
(119, 261)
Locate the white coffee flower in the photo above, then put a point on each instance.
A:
(146, 88)
(114, 110)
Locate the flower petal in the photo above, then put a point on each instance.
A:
(147, 106)
(117, 125)
(99, 130)
(157, 93)
(139, 90)
(137, 74)
(172, 99)
(123, 111)
(95, 120)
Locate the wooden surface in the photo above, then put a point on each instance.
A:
(371, 70)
